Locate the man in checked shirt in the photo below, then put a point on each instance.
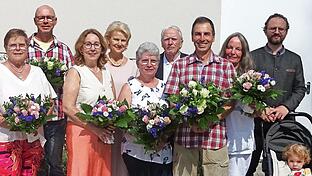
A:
(198, 152)
(44, 44)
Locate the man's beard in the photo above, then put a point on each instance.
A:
(274, 41)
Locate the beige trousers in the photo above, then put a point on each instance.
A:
(200, 162)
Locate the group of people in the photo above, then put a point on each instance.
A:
(231, 146)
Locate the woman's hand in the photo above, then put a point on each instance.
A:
(3, 124)
(104, 134)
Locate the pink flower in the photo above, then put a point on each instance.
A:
(16, 109)
(247, 86)
(157, 120)
(16, 120)
(145, 119)
(123, 108)
(24, 112)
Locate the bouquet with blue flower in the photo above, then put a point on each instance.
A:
(106, 112)
(27, 113)
(53, 68)
(152, 125)
(253, 88)
(198, 104)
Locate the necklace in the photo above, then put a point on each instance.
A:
(114, 62)
(94, 71)
(18, 71)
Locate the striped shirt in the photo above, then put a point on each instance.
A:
(220, 72)
(58, 50)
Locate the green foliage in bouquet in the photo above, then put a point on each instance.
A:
(107, 112)
(27, 113)
(197, 103)
(53, 68)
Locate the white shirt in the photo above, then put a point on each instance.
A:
(168, 66)
(36, 83)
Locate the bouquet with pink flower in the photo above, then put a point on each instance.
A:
(253, 88)
(53, 68)
(198, 104)
(152, 125)
(106, 112)
(27, 113)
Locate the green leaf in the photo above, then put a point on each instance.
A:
(86, 108)
(83, 116)
(203, 123)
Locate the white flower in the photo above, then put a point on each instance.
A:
(152, 122)
(50, 65)
(192, 84)
(46, 59)
(183, 109)
(261, 88)
(105, 114)
(272, 83)
(204, 92)
(64, 67)
(195, 92)
(109, 109)
(200, 109)
(184, 92)
(149, 126)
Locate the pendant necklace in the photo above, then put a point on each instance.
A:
(18, 71)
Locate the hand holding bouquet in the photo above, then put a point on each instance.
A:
(253, 88)
(152, 125)
(27, 113)
(106, 112)
(53, 68)
(198, 104)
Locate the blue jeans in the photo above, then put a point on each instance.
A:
(54, 133)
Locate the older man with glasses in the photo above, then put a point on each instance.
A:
(44, 44)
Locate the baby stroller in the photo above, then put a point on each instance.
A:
(289, 131)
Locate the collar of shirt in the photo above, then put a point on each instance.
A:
(166, 62)
(212, 59)
(269, 50)
(32, 42)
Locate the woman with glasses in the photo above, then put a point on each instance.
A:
(117, 37)
(20, 153)
(88, 147)
(138, 92)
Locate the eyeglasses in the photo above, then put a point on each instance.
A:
(151, 61)
(89, 45)
(42, 18)
(273, 29)
(17, 46)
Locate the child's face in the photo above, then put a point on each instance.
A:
(295, 163)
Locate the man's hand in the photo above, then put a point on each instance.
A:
(280, 112)
(267, 115)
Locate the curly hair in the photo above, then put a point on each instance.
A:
(79, 59)
(298, 150)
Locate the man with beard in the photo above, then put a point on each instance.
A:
(286, 68)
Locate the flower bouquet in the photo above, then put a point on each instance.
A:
(27, 113)
(198, 103)
(253, 88)
(152, 125)
(53, 68)
(106, 112)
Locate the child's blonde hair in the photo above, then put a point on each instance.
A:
(297, 150)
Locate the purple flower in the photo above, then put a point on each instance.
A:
(58, 72)
(153, 132)
(29, 118)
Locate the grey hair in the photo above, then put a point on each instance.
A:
(174, 28)
(147, 47)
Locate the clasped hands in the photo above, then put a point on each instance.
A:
(273, 114)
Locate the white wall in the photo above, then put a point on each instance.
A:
(146, 18)
(248, 17)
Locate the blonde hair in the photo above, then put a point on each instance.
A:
(298, 150)
(117, 26)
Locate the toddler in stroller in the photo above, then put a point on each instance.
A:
(279, 136)
(296, 156)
